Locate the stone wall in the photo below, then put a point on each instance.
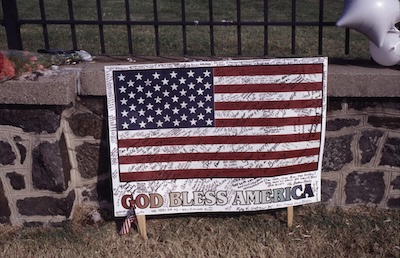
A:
(55, 158)
(361, 163)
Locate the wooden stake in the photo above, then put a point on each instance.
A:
(290, 216)
(141, 219)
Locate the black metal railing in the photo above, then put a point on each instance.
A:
(13, 23)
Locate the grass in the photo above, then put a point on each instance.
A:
(317, 232)
(198, 40)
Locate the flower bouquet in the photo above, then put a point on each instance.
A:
(7, 68)
(24, 65)
(17, 64)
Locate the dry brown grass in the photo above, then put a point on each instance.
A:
(317, 232)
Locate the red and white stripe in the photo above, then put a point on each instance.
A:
(127, 225)
(267, 123)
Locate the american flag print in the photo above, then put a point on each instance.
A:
(127, 224)
(218, 121)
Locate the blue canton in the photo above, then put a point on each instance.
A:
(169, 98)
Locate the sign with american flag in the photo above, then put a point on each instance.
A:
(217, 135)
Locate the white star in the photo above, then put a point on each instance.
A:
(191, 86)
(184, 104)
(149, 106)
(175, 98)
(173, 74)
(200, 91)
(132, 95)
(176, 122)
(142, 124)
(124, 113)
(141, 100)
(149, 94)
(158, 111)
(190, 73)
(193, 121)
(209, 121)
(132, 107)
(157, 87)
(121, 77)
(159, 123)
(141, 112)
(166, 105)
(139, 88)
(131, 83)
(166, 93)
(122, 89)
(192, 98)
(208, 97)
(183, 92)
(125, 125)
(167, 118)
(200, 104)
(165, 81)
(174, 86)
(150, 119)
(139, 76)
(184, 117)
(158, 99)
(208, 110)
(147, 82)
(133, 120)
(156, 75)
(207, 73)
(124, 101)
(182, 80)
(192, 110)
(199, 79)
(200, 116)
(175, 110)
(207, 85)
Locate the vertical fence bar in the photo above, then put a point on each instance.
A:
(128, 27)
(155, 12)
(184, 36)
(320, 26)
(101, 27)
(44, 25)
(210, 9)
(72, 21)
(13, 31)
(239, 28)
(347, 42)
(266, 18)
(293, 27)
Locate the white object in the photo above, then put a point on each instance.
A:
(84, 55)
(373, 18)
(389, 53)
(96, 217)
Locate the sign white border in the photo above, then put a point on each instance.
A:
(217, 194)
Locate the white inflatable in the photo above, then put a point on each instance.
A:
(373, 18)
(389, 53)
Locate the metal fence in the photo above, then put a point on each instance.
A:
(13, 24)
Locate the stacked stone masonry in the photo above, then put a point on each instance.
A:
(54, 159)
(361, 163)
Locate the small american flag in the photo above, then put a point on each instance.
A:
(129, 220)
(218, 122)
